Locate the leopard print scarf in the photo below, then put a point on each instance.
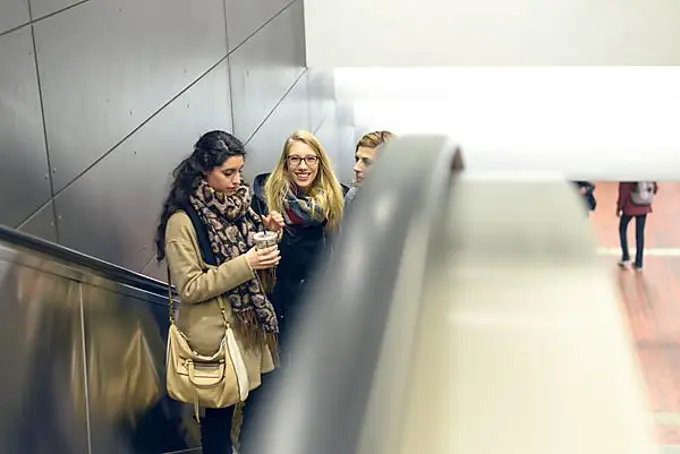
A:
(231, 223)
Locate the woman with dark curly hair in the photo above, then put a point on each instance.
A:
(206, 234)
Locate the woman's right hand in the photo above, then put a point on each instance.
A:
(262, 259)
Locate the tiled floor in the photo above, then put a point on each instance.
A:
(651, 299)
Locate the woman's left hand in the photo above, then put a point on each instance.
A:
(274, 221)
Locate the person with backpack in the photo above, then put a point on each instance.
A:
(635, 201)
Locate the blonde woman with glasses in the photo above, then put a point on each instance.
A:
(304, 188)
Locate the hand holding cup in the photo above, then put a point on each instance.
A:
(266, 253)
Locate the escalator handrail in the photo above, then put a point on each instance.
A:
(107, 270)
(318, 401)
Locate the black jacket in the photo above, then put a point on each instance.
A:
(302, 248)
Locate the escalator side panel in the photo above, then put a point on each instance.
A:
(41, 338)
(84, 364)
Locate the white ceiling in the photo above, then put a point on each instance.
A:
(601, 123)
(491, 33)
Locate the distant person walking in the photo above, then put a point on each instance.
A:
(635, 201)
(587, 191)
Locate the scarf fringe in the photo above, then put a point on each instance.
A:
(272, 341)
(254, 336)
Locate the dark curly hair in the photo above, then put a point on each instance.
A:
(211, 150)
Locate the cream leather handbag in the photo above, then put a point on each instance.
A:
(216, 381)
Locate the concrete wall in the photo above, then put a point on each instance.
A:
(100, 99)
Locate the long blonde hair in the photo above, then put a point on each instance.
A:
(325, 191)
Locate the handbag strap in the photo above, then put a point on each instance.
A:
(171, 304)
(171, 317)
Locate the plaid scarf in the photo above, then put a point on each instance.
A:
(303, 211)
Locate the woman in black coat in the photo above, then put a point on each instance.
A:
(304, 188)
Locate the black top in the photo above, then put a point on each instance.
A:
(302, 249)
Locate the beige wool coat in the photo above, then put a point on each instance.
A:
(198, 285)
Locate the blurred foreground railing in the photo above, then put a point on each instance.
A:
(367, 298)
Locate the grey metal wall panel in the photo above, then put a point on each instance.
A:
(264, 68)
(41, 8)
(42, 224)
(345, 140)
(345, 113)
(24, 179)
(246, 16)
(107, 65)
(112, 210)
(327, 132)
(265, 146)
(333, 138)
(321, 95)
(360, 130)
(344, 160)
(13, 13)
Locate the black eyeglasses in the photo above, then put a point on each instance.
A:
(295, 160)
